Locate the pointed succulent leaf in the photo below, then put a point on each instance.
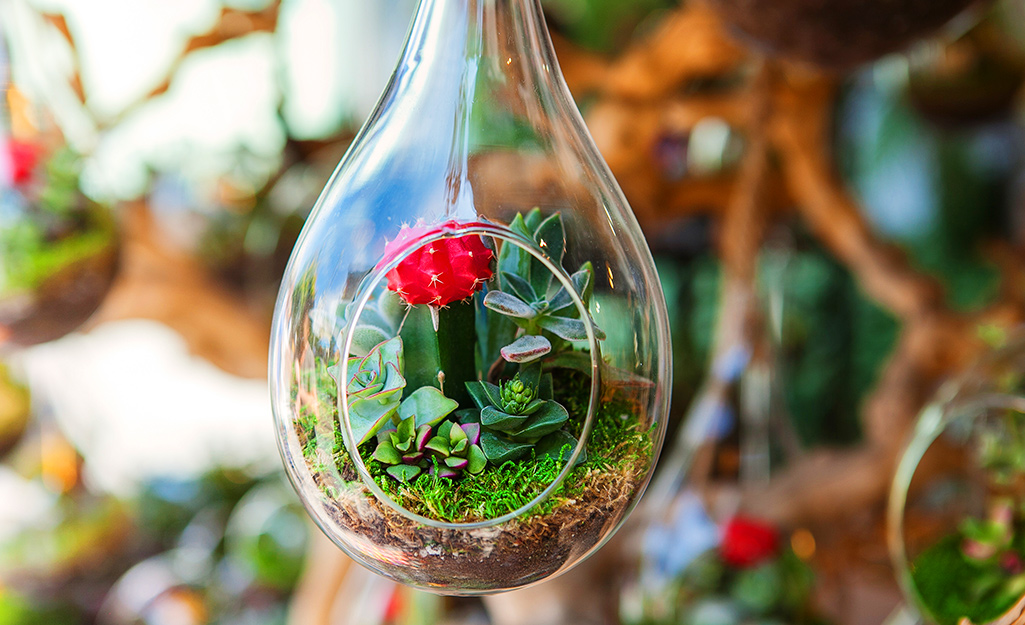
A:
(527, 348)
(393, 380)
(558, 445)
(532, 220)
(439, 445)
(455, 434)
(583, 280)
(444, 471)
(406, 429)
(391, 352)
(548, 419)
(412, 458)
(403, 445)
(494, 419)
(428, 405)
(477, 460)
(472, 431)
(562, 302)
(564, 327)
(404, 472)
(367, 417)
(530, 374)
(459, 447)
(509, 305)
(484, 394)
(512, 258)
(468, 416)
(499, 449)
(533, 407)
(444, 429)
(519, 287)
(454, 462)
(387, 453)
(551, 236)
(545, 387)
(423, 434)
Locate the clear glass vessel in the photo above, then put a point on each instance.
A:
(957, 505)
(470, 358)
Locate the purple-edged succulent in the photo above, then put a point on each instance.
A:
(456, 449)
(403, 448)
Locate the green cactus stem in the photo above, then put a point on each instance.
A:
(456, 346)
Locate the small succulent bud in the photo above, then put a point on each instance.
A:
(516, 395)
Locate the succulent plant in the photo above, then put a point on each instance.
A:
(456, 448)
(374, 388)
(404, 446)
(450, 449)
(440, 272)
(528, 297)
(519, 416)
(403, 449)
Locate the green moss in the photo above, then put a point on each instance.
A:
(618, 446)
(951, 586)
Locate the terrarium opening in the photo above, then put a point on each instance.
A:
(450, 408)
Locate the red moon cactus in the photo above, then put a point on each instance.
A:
(440, 272)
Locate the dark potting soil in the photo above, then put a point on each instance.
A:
(511, 555)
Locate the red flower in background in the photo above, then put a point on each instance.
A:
(440, 272)
(23, 157)
(747, 543)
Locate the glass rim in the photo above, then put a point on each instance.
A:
(366, 290)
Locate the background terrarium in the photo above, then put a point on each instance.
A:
(60, 247)
(957, 503)
(469, 364)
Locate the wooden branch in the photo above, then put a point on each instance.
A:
(801, 133)
(688, 44)
(744, 223)
(162, 283)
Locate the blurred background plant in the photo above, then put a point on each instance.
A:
(212, 125)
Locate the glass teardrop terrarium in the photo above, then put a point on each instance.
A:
(957, 505)
(470, 354)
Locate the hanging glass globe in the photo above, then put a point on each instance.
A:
(58, 247)
(957, 506)
(470, 352)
